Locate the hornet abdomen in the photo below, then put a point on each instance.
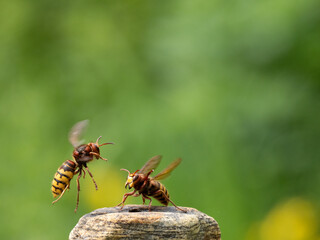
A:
(63, 177)
(158, 191)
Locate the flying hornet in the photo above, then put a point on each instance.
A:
(82, 154)
(147, 186)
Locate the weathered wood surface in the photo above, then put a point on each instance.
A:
(136, 222)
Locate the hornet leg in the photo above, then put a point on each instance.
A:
(170, 200)
(78, 185)
(127, 195)
(95, 184)
(144, 197)
(67, 187)
(98, 156)
(145, 179)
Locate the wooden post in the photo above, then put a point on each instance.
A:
(136, 222)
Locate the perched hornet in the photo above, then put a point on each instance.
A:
(82, 154)
(147, 186)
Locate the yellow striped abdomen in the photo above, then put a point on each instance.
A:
(63, 177)
(158, 191)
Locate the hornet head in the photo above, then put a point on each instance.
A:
(130, 177)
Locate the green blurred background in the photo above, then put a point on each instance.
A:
(231, 87)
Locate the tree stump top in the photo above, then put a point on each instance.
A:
(137, 222)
